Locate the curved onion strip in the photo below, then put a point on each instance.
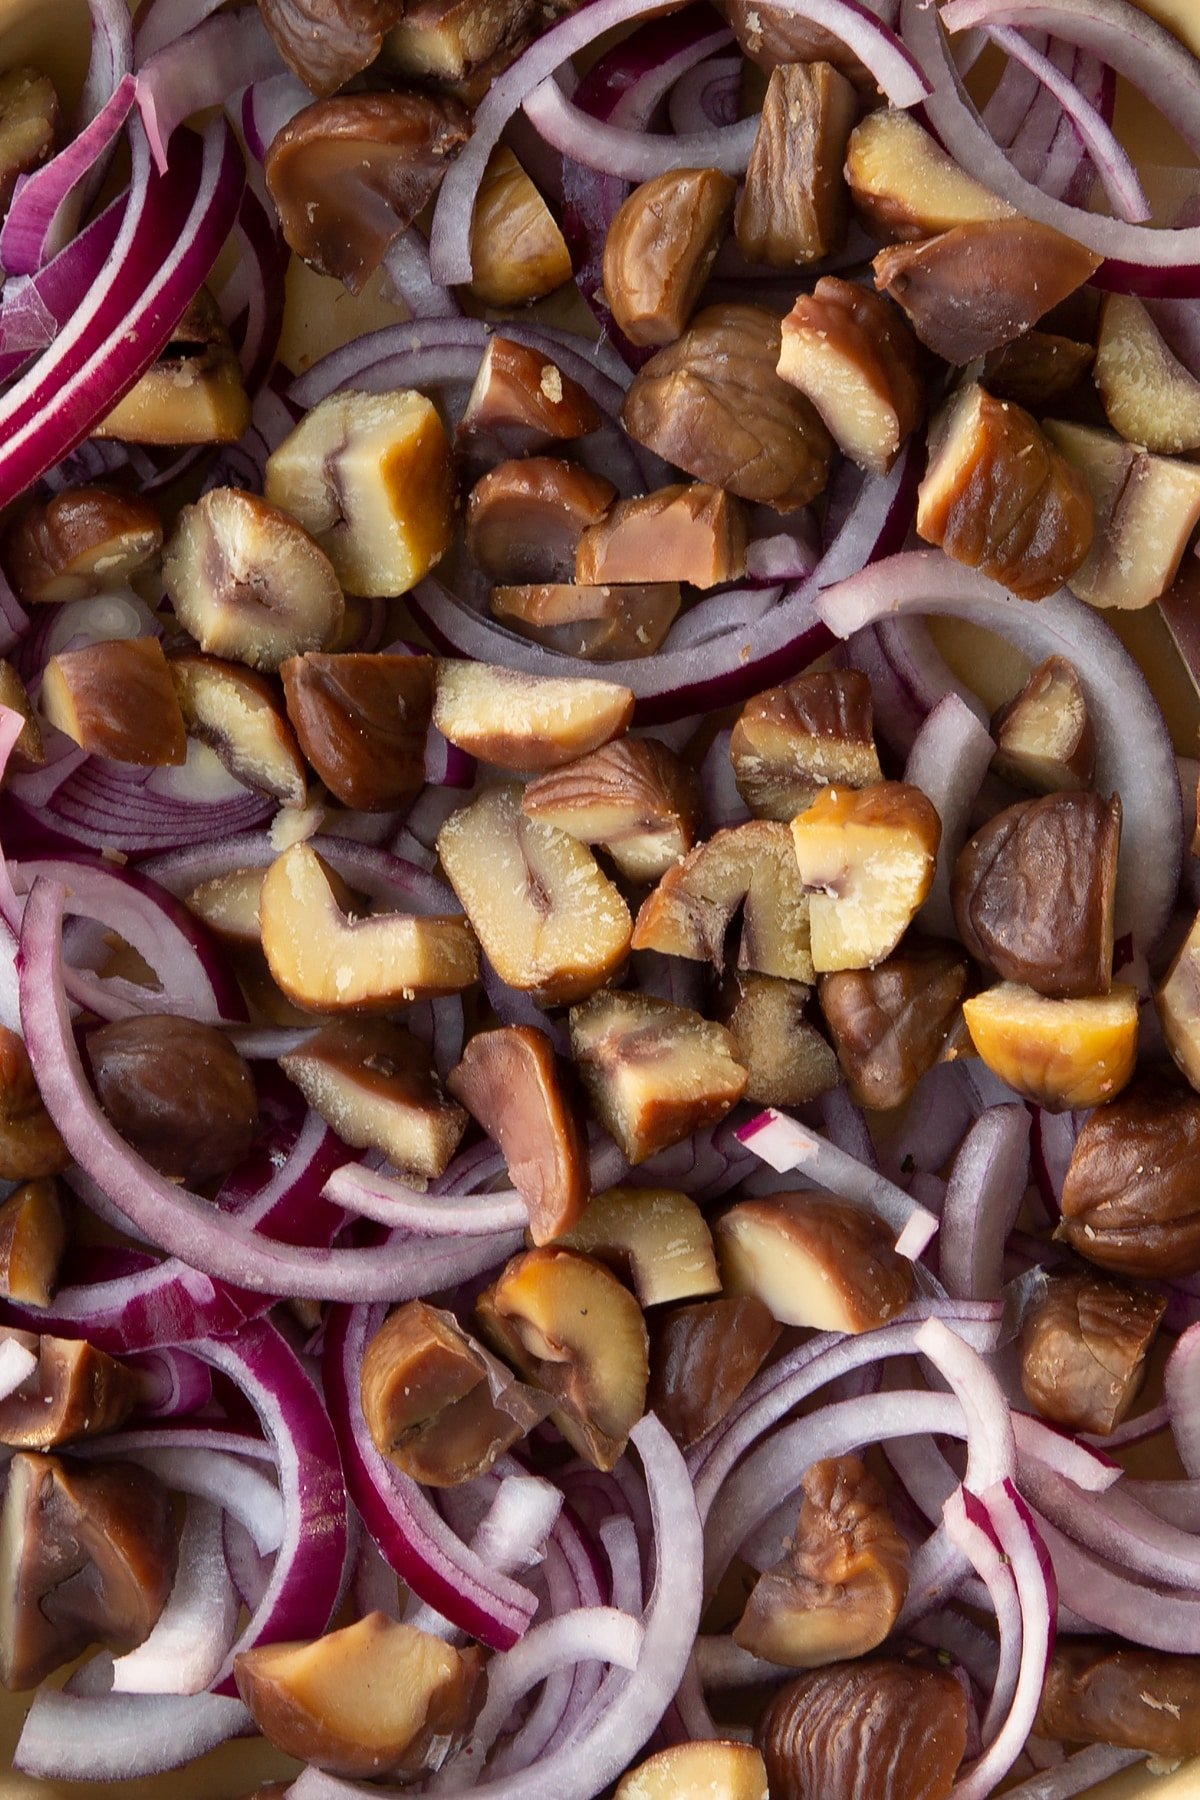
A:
(121, 1737)
(111, 57)
(1141, 258)
(44, 211)
(951, 754)
(1135, 754)
(231, 1482)
(1117, 1527)
(196, 1629)
(986, 1188)
(199, 70)
(371, 1195)
(1181, 1384)
(1080, 1772)
(1131, 1606)
(635, 155)
(160, 21)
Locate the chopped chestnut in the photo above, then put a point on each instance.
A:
(33, 1241)
(654, 1237)
(192, 394)
(328, 961)
(703, 1358)
(375, 1084)
(1146, 508)
(569, 1326)
(115, 698)
(998, 496)
(838, 1589)
(689, 532)
(705, 1766)
(372, 478)
(1037, 370)
(327, 41)
(771, 33)
(867, 858)
(1044, 736)
(1148, 394)
(237, 714)
(790, 742)
(75, 1392)
(550, 922)
(1083, 1350)
(509, 1081)
(656, 1072)
(177, 1091)
(437, 1405)
(348, 175)
(518, 253)
(977, 286)
(1129, 1196)
(850, 352)
(792, 208)
(228, 904)
(29, 113)
(78, 541)
(748, 870)
(713, 405)
(522, 403)
(788, 1061)
(1102, 1691)
(248, 582)
(30, 1146)
(600, 623)
(29, 750)
(1033, 893)
(660, 248)
(460, 45)
(526, 722)
(90, 1554)
(362, 719)
(906, 187)
(525, 518)
(1061, 1054)
(890, 1024)
(1177, 999)
(374, 1698)
(885, 1728)
(814, 1260)
(633, 796)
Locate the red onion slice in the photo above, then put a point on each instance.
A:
(634, 155)
(121, 1737)
(951, 754)
(199, 69)
(986, 1188)
(1181, 1384)
(45, 208)
(196, 1629)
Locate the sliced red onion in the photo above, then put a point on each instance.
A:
(195, 1631)
(708, 94)
(1135, 754)
(406, 264)
(1134, 1607)
(267, 106)
(174, 1383)
(635, 155)
(45, 208)
(1181, 1385)
(950, 756)
(1081, 1771)
(144, 1304)
(987, 1185)
(1117, 1527)
(110, 1737)
(1087, 1466)
(372, 1195)
(161, 21)
(34, 307)
(110, 60)
(199, 69)
(786, 1145)
(228, 1482)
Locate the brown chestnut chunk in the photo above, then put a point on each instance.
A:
(193, 393)
(29, 751)
(509, 1081)
(705, 1766)
(362, 720)
(75, 1392)
(891, 1023)
(1037, 370)
(999, 497)
(1146, 509)
(813, 732)
(867, 858)
(459, 45)
(1083, 1350)
(633, 796)
(1177, 1000)
(526, 722)
(971, 289)
(521, 403)
(115, 698)
(838, 1589)
(327, 41)
(884, 1728)
(814, 1260)
(713, 405)
(80, 540)
(30, 1145)
(1033, 893)
(793, 206)
(237, 714)
(601, 623)
(905, 186)
(525, 518)
(689, 532)
(518, 253)
(660, 248)
(1044, 736)
(90, 1555)
(854, 357)
(33, 1241)
(375, 1084)
(1129, 1199)
(177, 1091)
(655, 1238)
(703, 1358)
(432, 1402)
(770, 33)
(787, 1060)
(348, 175)
(1101, 1691)
(1150, 397)
(374, 1698)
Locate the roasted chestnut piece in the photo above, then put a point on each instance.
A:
(792, 208)
(867, 858)
(654, 1238)
(525, 518)
(115, 698)
(518, 252)
(375, 1084)
(890, 1024)
(1044, 736)
(1083, 1349)
(850, 351)
(789, 742)
(905, 186)
(362, 720)
(1150, 397)
(787, 1060)
(177, 1091)
(1146, 509)
(81, 540)
(702, 1359)
(30, 1144)
(600, 622)
(1037, 370)
(1129, 1199)
(815, 1261)
(688, 532)
(76, 1392)
(1101, 1691)
(1033, 893)
(1061, 1054)
(459, 46)
(193, 393)
(521, 403)
(704, 1766)
(33, 1241)
(660, 248)
(328, 41)
(633, 796)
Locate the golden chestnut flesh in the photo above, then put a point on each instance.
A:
(689, 532)
(375, 1084)
(30, 1145)
(598, 622)
(76, 1391)
(789, 742)
(1061, 1054)
(814, 1260)
(852, 354)
(33, 1241)
(786, 1058)
(1044, 735)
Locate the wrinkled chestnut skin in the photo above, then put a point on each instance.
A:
(713, 405)
(1102, 1691)
(770, 35)
(1036, 371)
(1130, 1200)
(702, 1359)
(328, 41)
(789, 742)
(1083, 1350)
(1033, 893)
(660, 248)
(793, 206)
(177, 1091)
(882, 1729)
(890, 1024)
(525, 518)
(362, 720)
(348, 175)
